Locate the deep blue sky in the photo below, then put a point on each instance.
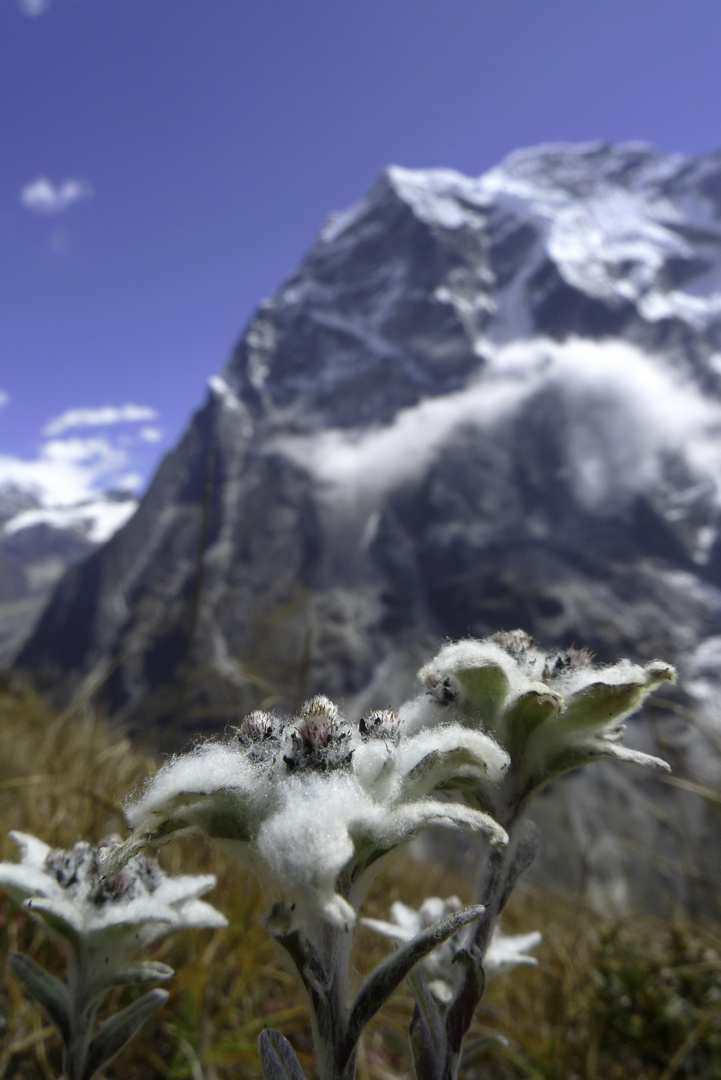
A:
(208, 139)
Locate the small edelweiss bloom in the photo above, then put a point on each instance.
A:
(443, 975)
(312, 803)
(550, 711)
(100, 922)
(104, 917)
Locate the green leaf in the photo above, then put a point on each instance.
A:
(602, 704)
(580, 754)
(527, 713)
(278, 1057)
(487, 687)
(44, 989)
(141, 972)
(439, 768)
(116, 1031)
(279, 922)
(385, 978)
(526, 848)
(43, 909)
(461, 1010)
(429, 1043)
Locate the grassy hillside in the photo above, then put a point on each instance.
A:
(640, 999)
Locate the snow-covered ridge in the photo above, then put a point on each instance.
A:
(611, 219)
(96, 521)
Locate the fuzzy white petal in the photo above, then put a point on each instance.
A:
(23, 880)
(32, 850)
(210, 768)
(508, 950)
(179, 888)
(452, 746)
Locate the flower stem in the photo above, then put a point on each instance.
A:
(322, 957)
(492, 891)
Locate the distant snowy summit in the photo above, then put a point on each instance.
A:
(95, 519)
(38, 543)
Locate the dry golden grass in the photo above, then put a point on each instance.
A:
(639, 999)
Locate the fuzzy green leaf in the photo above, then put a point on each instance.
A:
(487, 687)
(278, 1057)
(603, 704)
(44, 989)
(527, 713)
(117, 1030)
(141, 972)
(429, 1043)
(461, 1010)
(526, 848)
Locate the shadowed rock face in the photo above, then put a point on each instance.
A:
(477, 404)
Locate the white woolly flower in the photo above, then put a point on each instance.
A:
(550, 711)
(504, 952)
(100, 922)
(98, 919)
(312, 803)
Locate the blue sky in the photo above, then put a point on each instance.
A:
(166, 163)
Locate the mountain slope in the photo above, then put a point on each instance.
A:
(478, 403)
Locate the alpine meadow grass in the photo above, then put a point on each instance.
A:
(638, 998)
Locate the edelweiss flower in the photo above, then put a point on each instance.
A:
(101, 921)
(313, 802)
(551, 711)
(444, 976)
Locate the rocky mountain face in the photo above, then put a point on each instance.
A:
(477, 404)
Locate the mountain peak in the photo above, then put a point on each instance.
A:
(477, 403)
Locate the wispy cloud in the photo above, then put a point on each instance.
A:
(33, 7)
(83, 453)
(104, 416)
(66, 471)
(151, 434)
(3, 398)
(624, 415)
(44, 197)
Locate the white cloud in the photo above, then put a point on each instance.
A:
(44, 197)
(151, 434)
(66, 471)
(101, 417)
(129, 482)
(4, 398)
(73, 470)
(623, 413)
(33, 7)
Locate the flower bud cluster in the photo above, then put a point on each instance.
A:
(78, 872)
